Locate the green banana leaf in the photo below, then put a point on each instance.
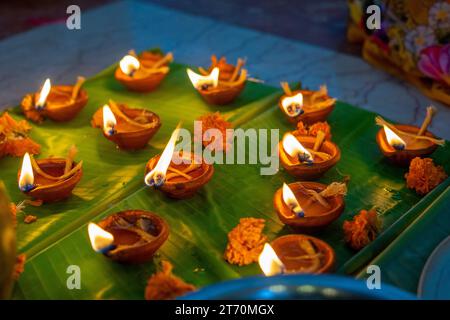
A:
(113, 181)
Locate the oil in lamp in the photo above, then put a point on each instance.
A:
(401, 143)
(309, 205)
(59, 103)
(307, 157)
(222, 83)
(296, 253)
(178, 175)
(51, 179)
(306, 105)
(128, 128)
(131, 236)
(144, 72)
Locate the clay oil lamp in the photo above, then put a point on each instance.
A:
(306, 105)
(49, 180)
(401, 143)
(221, 83)
(296, 253)
(309, 205)
(307, 157)
(59, 103)
(128, 128)
(145, 72)
(178, 175)
(131, 236)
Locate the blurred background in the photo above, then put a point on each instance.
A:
(324, 20)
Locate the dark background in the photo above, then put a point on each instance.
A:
(318, 22)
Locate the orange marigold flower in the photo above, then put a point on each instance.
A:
(312, 130)
(14, 140)
(19, 268)
(163, 285)
(362, 230)
(245, 242)
(424, 176)
(215, 121)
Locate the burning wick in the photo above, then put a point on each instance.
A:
(293, 106)
(269, 262)
(129, 65)
(204, 82)
(393, 139)
(290, 200)
(109, 121)
(294, 148)
(101, 240)
(26, 179)
(43, 95)
(157, 176)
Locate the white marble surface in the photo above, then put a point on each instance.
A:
(109, 32)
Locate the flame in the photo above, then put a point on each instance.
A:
(198, 81)
(43, 94)
(26, 179)
(157, 176)
(269, 262)
(109, 121)
(294, 148)
(101, 240)
(292, 106)
(129, 65)
(291, 201)
(393, 139)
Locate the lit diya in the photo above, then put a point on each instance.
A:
(51, 179)
(401, 143)
(144, 72)
(179, 175)
(131, 236)
(59, 103)
(296, 253)
(306, 105)
(221, 83)
(308, 157)
(129, 128)
(310, 205)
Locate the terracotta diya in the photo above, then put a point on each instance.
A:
(128, 128)
(296, 253)
(144, 72)
(131, 236)
(51, 179)
(59, 103)
(309, 205)
(308, 157)
(401, 143)
(306, 105)
(178, 175)
(221, 83)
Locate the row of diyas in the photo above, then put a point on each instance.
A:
(220, 84)
(133, 236)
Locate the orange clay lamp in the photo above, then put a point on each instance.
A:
(177, 175)
(306, 105)
(309, 205)
(59, 103)
(145, 72)
(128, 128)
(131, 236)
(307, 157)
(221, 83)
(401, 143)
(296, 253)
(51, 179)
